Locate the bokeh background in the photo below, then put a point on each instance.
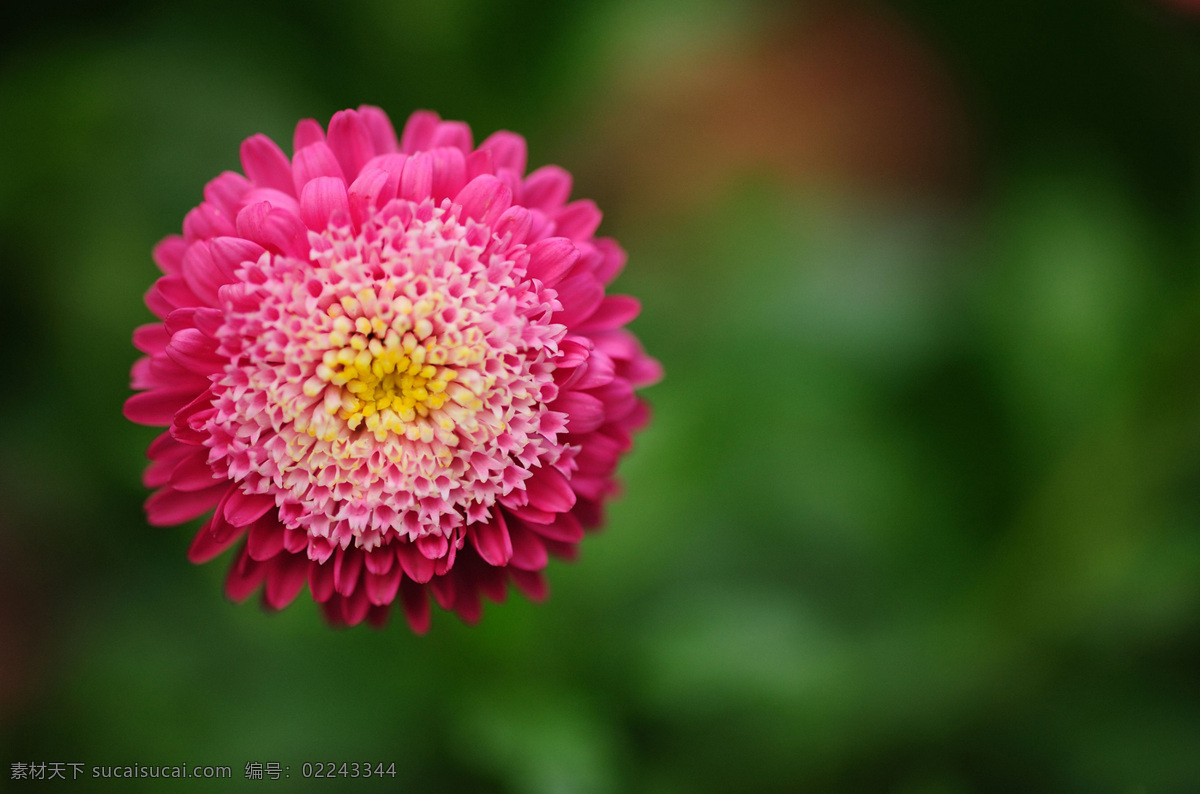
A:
(919, 511)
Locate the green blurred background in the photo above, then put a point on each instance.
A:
(919, 510)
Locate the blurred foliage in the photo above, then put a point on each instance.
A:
(920, 507)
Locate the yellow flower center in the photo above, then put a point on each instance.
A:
(393, 374)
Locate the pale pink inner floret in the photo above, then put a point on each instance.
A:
(393, 385)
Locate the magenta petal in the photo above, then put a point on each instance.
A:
(381, 588)
(205, 546)
(193, 472)
(467, 604)
(491, 540)
(444, 591)
(244, 577)
(285, 575)
(266, 164)
(158, 406)
(531, 583)
(324, 203)
(549, 490)
(584, 412)
(168, 506)
(320, 580)
(356, 606)
(242, 509)
(416, 565)
(347, 566)
(485, 198)
(380, 559)
(551, 258)
(529, 552)
(565, 529)
(416, 606)
(265, 539)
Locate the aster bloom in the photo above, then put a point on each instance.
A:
(389, 368)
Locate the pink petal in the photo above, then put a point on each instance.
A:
(308, 132)
(418, 131)
(350, 141)
(417, 180)
(274, 229)
(578, 220)
(508, 150)
(485, 198)
(324, 203)
(455, 134)
(551, 258)
(612, 259)
(193, 350)
(547, 188)
(225, 193)
(449, 172)
(151, 338)
(580, 295)
(314, 160)
(168, 254)
(368, 193)
(613, 312)
(383, 135)
(266, 164)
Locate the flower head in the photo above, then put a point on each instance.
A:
(389, 368)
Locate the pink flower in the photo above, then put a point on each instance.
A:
(390, 366)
